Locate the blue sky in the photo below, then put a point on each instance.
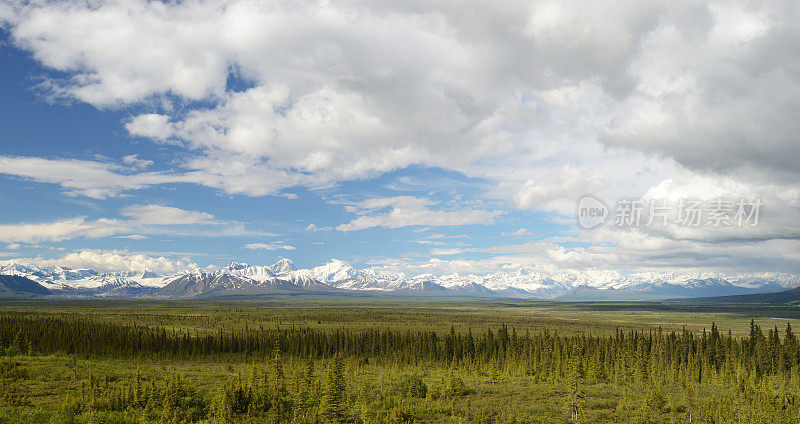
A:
(184, 134)
(32, 126)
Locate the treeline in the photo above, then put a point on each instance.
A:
(275, 391)
(707, 377)
(634, 354)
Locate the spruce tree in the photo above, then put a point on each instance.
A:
(333, 399)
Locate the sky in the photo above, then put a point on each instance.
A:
(416, 137)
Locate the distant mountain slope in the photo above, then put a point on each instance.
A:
(63, 281)
(660, 291)
(204, 284)
(16, 286)
(783, 297)
(338, 277)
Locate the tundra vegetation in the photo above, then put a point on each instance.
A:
(377, 361)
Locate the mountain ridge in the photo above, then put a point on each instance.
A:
(781, 297)
(18, 286)
(338, 276)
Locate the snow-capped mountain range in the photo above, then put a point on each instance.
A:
(337, 276)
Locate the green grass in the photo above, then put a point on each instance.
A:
(50, 379)
(416, 314)
(508, 395)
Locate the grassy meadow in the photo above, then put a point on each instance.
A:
(379, 360)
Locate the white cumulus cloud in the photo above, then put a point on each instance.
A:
(405, 211)
(276, 245)
(165, 215)
(111, 261)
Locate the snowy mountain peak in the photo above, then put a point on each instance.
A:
(335, 271)
(148, 274)
(283, 266)
(235, 266)
(340, 275)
